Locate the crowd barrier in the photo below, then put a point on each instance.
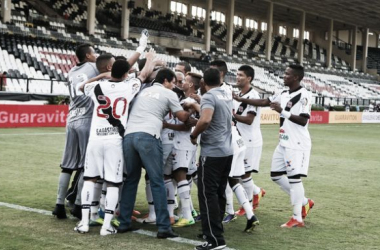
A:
(17, 116)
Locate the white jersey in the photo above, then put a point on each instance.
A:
(227, 88)
(251, 134)
(111, 103)
(298, 102)
(182, 138)
(167, 135)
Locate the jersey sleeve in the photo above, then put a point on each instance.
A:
(174, 104)
(208, 102)
(89, 88)
(250, 108)
(276, 97)
(305, 108)
(135, 84)
(78, 81)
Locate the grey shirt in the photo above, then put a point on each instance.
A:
(149, 109)
(81, 106)
(216, 140)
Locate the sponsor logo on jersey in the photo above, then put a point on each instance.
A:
(283, 136)
(107, 131)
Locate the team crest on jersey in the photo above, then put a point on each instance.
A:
(288, 164)
(304, 101)
(289, 105)
(241, 109)
(135, 88)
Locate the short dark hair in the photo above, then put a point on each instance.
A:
(186, 65)
(163, 74)
(211, 77)
(248, 71)
(82, 50)
(196, 79)
(120, 58)
(102, 61)
(297, 70)
(119, 68)
(221, 65)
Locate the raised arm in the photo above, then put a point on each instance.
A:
(149, 65)
(254, 102)
(140, 49)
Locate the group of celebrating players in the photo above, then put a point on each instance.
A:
(105, 106)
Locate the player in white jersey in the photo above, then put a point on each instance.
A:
(247, 118)
(104, 158)
(290, 160)
(184, 154)
(242, 149)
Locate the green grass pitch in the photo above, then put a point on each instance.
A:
(343, 181)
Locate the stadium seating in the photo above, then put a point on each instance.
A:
(49, 54)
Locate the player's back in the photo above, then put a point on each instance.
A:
(81, 106)
(111, 104)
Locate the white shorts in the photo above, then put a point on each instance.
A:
(291, 161)
(252, 159)
(183, 159)
(104, 159)
(237, 165)
(167, 158)
(193, 165)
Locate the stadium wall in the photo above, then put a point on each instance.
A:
(18, 116)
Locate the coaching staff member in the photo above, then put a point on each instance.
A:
(215, 159)
(142, 147)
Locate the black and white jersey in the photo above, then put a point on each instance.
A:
(298, 102)
(111, 101)
(251, 134)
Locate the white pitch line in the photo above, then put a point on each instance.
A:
(140, 231)
(29, 209)
(33, 134)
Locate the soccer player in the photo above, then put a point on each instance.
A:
(184, 154)
(215, 159)
(78, 123)
(247, 119)
(290, 160)
(104, 157)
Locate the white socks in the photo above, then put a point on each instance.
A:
(63, 185)
(242, 198)
(248, 186)
(149, 198)
(170, 196)
(87, 194)
(95, 201)
(184, 194)
(297, 195)
(102, 200)
(229, 200)
(283, 182)
(111, 202)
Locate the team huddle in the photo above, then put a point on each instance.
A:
(122, 120)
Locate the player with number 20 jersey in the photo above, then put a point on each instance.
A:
(111, 104)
